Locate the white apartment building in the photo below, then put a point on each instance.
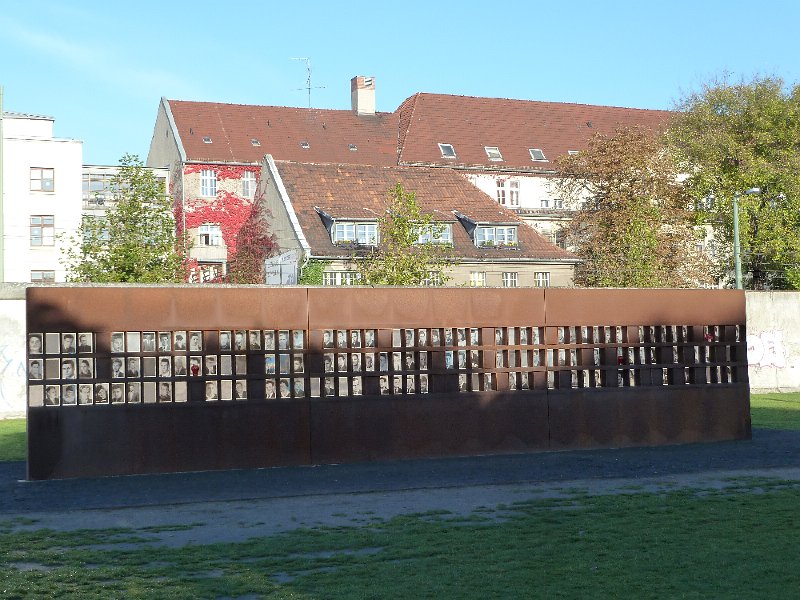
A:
(41, 199)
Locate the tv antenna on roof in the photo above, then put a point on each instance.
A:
(308, 87)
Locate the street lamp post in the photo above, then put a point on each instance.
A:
(737, 251)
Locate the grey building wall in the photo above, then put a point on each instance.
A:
(773, 341)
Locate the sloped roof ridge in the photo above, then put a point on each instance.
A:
(547, 102)
(301, 108)
(406, 111)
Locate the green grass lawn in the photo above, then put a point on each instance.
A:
(12, 439)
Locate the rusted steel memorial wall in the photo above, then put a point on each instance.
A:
(125, 380)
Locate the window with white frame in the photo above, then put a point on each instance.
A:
(511, 279)
(248, 184)
(42, 180)
(349, 232)
(208, 182)
(541, 279)
(447, 150)
(432, 279)
(438, 233)
(501, 191)
(43, 276)
(513, 192)
(43, 230)
(477, 279)
(500, 235)
(537, 154)
(339, 278)
(209, 234)
(493, 153)
(544, 203)
(558, 203)
(97, 228)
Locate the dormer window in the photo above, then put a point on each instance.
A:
(447, 150)
(537, 154)
(493, 153)
(206, 139)
(495, 235)
(438, 233)
(350, 232)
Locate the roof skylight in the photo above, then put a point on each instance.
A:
(537, 154)
(447, 150)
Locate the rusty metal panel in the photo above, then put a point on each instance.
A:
(644, 306)
(418, 426)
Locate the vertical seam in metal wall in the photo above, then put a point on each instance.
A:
(547, 388)
(311, 458)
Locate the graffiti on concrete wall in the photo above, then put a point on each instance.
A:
(766, 349)
(12, 372)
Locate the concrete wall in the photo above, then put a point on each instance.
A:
(773, 341)
(12, 350)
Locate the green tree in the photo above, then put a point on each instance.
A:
(735, 137)
(399, 257)
(254, 243)
(632, 225)
(135, 241)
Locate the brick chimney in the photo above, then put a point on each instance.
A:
(362, 95)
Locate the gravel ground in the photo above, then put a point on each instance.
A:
(237, 505)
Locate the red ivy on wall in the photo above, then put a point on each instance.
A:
(223, 171)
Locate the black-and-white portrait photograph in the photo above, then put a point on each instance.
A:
(133, 341)
(149, 341)
(297, 363)
(474, 336)
(35, 369)
(85, 393)
(283, 340)
(512, 381)
(409, 337)
(369, 338)
(241, 365)
(240, 340)
(397, 384)
(422, 337)
(435, 337)
(211, 391)
(269, 389)
(327, 338)
(462, 359)
(226, 389)
(357, 388)
(284, 389)
(448, 337)
(101, 393)
(283, 363)
(523, 335)
(269, 340)
(383, 383)
(132, 368)
(474, 359)
(488, 382)
(69, 394)
(211, 365)
(498, 336)
(195, 341)
(448, 360)
(225, 341)
(117, 393)
(180, 366)
(410, 389)
(330, 386)
(423, 384)
(68, 345)
(85, 368)
(409, 361)
(164, 391)
(164, 367)
(179, 391)
(269, 364)
(461, 334)
(254, 337)
(298, 341)
(68, 370)
(355, 362)
(164, 341)
(369, 362)
(117, 342)
(341, 363)
(499, 358)
(462, 382)
(195, 366)
(383, 362)
(240, 391)
(327, 363)
(226, 364)
(85, 342)
(299, 388)
(179, 340)
(355, 338)
(52, 343)
(423, 361)
(397, 361)
(52, 395)
(341, 338)
(35, 343)
(524, 384)
(134, 393)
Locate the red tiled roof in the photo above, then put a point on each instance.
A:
(513, 126)
(281, 130)
(361, 192)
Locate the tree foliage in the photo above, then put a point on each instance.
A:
(135, 241)
(399, 258)
(632, 225)
(254, 243)
(735, 137)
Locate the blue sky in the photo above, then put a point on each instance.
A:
(100, 68)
